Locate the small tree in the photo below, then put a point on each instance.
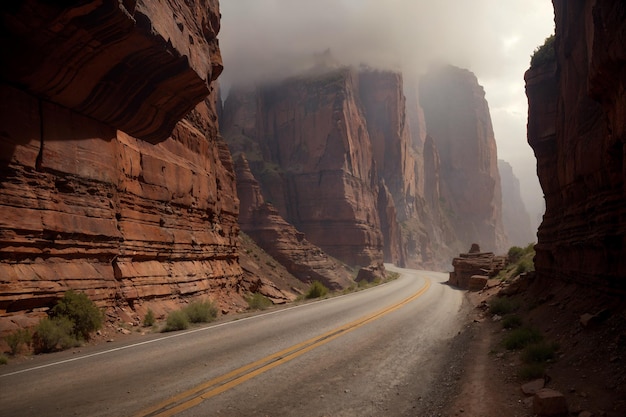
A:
(81, 311)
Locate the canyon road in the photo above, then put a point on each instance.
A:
(374, 352)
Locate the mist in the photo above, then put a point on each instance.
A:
(265, 40)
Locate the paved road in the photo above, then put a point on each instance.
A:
(375, 352)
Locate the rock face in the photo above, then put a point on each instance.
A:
(280, 239)
(457, 118)
(577, 128)
(515, 217)
(309, 147)
(472, 269)
(87, 200)
(344, 156)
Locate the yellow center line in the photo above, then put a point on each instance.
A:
(215, 386)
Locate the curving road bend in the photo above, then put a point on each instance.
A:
(371, 353)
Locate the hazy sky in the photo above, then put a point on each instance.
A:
(264, 39)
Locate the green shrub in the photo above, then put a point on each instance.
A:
(176, 320)
(53, 334)
(149, 319)
(539, 352)
(81, 311)
(502, 306)
(3, 359)
(200, 312)
(524, 265)
(544, 54)
(511, 322)
(17, 339)
(515, 253)
(316, 290)
(532, 371)
(258, 301)
(521, 337)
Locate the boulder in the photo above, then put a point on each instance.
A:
(477, 282)
(549, 403)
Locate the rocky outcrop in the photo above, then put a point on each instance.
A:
(457, 118)
(577, 128)
(515, 217)
(88, 202)
(472, 269)
(288, 246)
(308, 145)
(138, 66)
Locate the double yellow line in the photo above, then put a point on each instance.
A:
(209, 389)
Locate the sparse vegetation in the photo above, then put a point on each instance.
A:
(539, 352)
(258, 301)
(196, 312)
(512, 322)
(3, 359)
(201, 312)
(521, 337)
(316, 290)
(52, 334)
(544, 54)
(502, 306)
(16, 339)
(149, 320)
(80, 311)
(176, 320)
(519, 260)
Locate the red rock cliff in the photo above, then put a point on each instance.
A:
(87, 200)
(261, 221)
(307, 142)
(457, 118)
(577, 128)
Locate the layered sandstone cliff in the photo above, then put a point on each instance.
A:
(458, 120)
(88, 199)
(288, 246)
(577, 128)
(306, 135)
(308, 145)
(515, 217)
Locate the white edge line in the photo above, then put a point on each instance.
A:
(104, 352)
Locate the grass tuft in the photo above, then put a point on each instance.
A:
(176, 320)
(521, 337)
(201, 312)
(258, 301)
(539, 352)
(512, 322)
(149, 320)
(316, 290)
(502, 306)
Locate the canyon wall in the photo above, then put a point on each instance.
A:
(308, 145)
(577, 129)
(458, 120)
(103, 188)
(515, 217)
(288, 246)
(345, 150)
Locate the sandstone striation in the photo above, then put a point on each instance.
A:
(472, 269)
(307, 143)
(577, 129)
(89, 201)
(288, 246)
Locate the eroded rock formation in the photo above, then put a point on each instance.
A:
(472, 269)
(577, 128)
(307, 143)
(458, 120)
(87, 201)
(515, 217)
(261, 221)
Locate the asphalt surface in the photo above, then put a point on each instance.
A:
(375, 352)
